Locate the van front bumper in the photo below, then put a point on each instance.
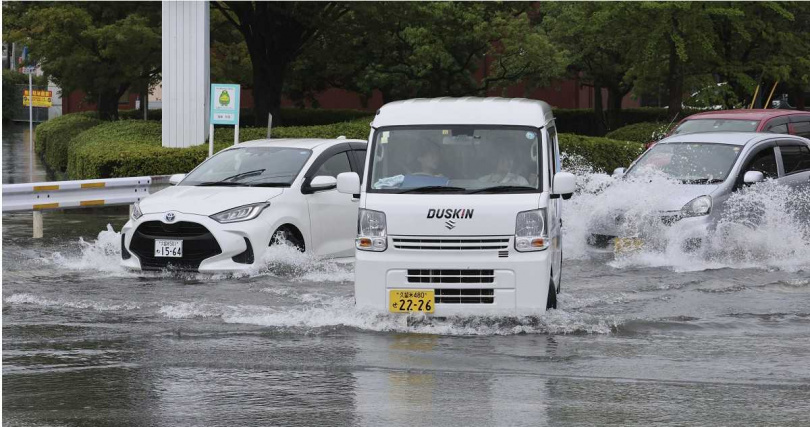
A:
(517, 283)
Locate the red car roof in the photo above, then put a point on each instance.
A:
(745, 114)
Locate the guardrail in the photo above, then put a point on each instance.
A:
(39, 196)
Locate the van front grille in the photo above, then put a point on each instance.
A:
(437, 243)
(465, 296)
(451, 276)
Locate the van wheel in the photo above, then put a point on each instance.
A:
(551, 302)
(288, 235)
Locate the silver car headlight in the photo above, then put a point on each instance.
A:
(530, 231)
(242, 213)
(371, 231)
(135, 212)
(699, 206)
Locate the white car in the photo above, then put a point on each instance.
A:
(460, 208)
(224, 214)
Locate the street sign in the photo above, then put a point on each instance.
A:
(224, 104)
(41, 98)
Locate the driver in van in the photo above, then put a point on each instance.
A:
(428, 160)
(503, 174)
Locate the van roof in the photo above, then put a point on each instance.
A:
(464, 111)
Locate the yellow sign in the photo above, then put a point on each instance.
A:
(41, 98)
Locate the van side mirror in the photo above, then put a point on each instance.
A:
(752, 177)
(619, 172)
(176, 178)
(564, 185)
(322, 182)
(348, 183)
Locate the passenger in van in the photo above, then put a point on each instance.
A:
(428, 160)
(503, 174)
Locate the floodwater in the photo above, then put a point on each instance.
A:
(647, 339)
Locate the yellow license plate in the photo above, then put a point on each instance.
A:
(623, 245)
(408, 300)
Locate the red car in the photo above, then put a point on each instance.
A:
(792, 122)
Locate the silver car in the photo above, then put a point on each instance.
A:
(702, 171)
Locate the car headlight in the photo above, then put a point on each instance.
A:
(371, 231)
(135, 212)
(530, 231)
(242, 213)
(698, 206)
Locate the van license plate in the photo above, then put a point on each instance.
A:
(168, 248)
(626, 245)
(407, 300)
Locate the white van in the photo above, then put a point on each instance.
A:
(460, 208)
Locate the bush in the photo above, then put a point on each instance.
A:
(583, 121)
(138, 114)
(641, 132)
(53, 137)
(133, 147)
(603, 154)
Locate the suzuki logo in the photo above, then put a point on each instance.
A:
(450, 224)
(169, 216)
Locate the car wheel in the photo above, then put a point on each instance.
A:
(551, 302)
(289, 236)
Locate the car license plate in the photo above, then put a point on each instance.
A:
(408, 300)
(169, 248)
(624, 245)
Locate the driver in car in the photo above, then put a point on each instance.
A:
(503, 174)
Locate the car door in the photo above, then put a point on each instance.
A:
(332, 215)
(555, 206)
(794, 156)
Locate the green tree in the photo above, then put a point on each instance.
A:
(100, 48)
(275, 35)
(427, 49)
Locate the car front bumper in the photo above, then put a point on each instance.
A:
(216, 252)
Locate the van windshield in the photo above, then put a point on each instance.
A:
(455, 159)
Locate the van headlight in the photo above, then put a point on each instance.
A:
(698, 206)
(242, 213)
(135, 212)
(371, 231)
(530, 231)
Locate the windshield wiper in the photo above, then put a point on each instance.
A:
(431, 189)
(502, 189)
(269, 184)
(221, 184)
(248, 173)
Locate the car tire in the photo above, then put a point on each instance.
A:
(289, 236)
(551, 301)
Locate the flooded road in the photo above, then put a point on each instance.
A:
(648, 339)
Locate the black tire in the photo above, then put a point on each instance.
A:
(551, 302)
(290, 236)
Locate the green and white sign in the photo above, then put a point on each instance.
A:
(224, 104)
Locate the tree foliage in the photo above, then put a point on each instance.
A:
(101, 48)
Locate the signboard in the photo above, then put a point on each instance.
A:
(41, 98)
(224, 104)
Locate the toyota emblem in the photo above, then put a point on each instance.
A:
(169, 217)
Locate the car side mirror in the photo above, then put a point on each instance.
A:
(176, 178)
(348, 183)
(752, 177)
(564, 185)
(322, 182)
(619, 172)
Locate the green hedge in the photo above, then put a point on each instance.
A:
(53, 137)
(583, 121)
(641, 132)
(133, 147)
(602, 154)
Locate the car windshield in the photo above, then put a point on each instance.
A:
(250, 166)
(455, 159)
(697, 163)
(716, 125)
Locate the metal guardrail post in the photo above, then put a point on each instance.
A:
(38, 225)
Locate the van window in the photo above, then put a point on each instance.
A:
(463, 158)
(795, 158)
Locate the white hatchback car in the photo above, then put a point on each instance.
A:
(223, 215)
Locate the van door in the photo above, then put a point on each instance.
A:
(555, 205)
(332, 215)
